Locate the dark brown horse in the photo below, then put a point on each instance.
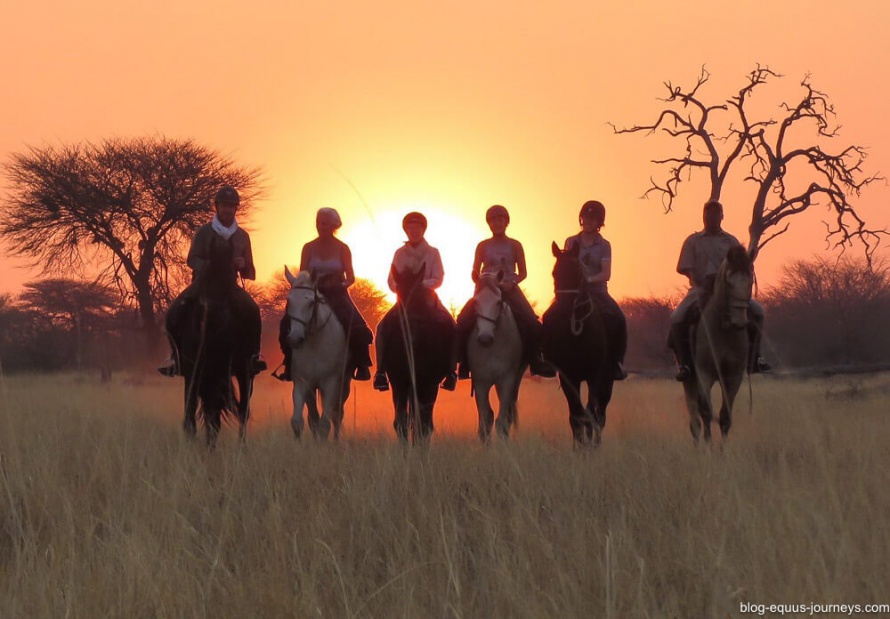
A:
(721, 344)
(214, 349)
(418, 357)
(574, 340)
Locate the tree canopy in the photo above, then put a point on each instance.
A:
(122, 208)
(787, 159)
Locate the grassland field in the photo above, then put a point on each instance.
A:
(107, 511)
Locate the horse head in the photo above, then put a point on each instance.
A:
(410, 291)
(568, 275)
(303, 302)
(732, 287)
(488, 300)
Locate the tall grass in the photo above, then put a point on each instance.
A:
(105, 510)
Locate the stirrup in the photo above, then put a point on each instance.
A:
(450, 382)
(283, 375)
(380, 382)
(619, 373)
(684, 373)
(169, 369)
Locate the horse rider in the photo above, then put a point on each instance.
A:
(504, 254)
(244, 308)
(409, 257)
(700, 259)
(595, 255)
(330, 260)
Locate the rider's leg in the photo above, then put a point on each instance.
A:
(756, 363)
(530, 329)
(449, 331)
(286, 350)
(359, 336)
(248, 314)
(383, 335)
(463, 328)
(678, 338)
(616, 333)
(173, 327)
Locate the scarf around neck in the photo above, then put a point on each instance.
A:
(223, 231)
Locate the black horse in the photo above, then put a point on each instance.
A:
(417, 358)
(213, 349)
(574, 340)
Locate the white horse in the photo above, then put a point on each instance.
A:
(494, 352)
(319, 359)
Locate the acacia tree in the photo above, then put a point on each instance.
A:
(789, 176)
(122, 207)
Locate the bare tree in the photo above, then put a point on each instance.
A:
(124, 208)
(789, 176)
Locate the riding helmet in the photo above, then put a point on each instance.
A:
(593, 209)
(414, 218)
(226, 195)
(496, 210)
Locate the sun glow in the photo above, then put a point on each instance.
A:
(374, 241)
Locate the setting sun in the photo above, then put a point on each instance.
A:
(373, 242)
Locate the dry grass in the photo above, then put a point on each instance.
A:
(107, 511)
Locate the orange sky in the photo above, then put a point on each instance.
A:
(376, 108)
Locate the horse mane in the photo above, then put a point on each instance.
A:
(737, 261)
(487, 281)
(303, 278)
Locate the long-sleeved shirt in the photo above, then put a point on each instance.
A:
(199, 253)
(408, 257)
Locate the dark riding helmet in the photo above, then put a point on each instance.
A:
(226, 195)
(593, 209)
(414, 218)
(496, 210)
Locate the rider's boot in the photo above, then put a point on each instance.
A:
(679, 342)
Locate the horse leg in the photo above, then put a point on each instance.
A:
(731, 390)
(331, 409)
(245, 391)
(427, 400)
(577, 412)
(507, 391)
(302, 396)
(189, 423)
(312, 414)
(706, 412)
(212, 423)
(400, 408)
(691, 392)
(483, 406)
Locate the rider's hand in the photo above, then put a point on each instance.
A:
(239, 263)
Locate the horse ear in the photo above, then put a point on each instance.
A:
(289, 276)
(555, 249)
(313, 277)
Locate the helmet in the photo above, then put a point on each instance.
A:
(414, 218)
(496, 210)
(593, 209)
(226, 195)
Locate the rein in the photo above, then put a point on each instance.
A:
(313, 317)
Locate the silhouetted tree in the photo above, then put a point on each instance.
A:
(80, 308)
(123, 207)
(789, 172)
(829, 313)
(648, 321)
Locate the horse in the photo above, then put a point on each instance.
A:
(320, 357)
(214, 349)
(419, 356)
(720, 344)
(494, 353)
(574, 340)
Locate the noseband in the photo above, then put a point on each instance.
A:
(310, 325)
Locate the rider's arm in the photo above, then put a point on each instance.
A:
(346, 259)
(391, 280)
(305, 257)
(521, 270)
(686, 263)
(477, 262)
(605, 265)
(248, 271)
(435, 272)
(197, 258)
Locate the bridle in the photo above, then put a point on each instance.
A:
(311, 325)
